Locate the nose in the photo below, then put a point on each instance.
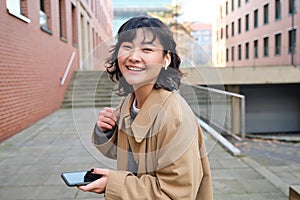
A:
(135, 56)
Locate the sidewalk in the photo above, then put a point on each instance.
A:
(31, 163)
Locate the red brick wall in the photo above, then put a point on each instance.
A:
(32, 62)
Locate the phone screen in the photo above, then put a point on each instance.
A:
(74, 178)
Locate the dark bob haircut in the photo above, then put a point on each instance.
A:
(169, 79)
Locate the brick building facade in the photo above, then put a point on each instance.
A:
(40, 42)
(257, 33)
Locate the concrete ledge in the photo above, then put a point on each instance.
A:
(294, 192)
(271, 177)
(242, 75)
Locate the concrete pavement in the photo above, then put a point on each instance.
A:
(31, 163)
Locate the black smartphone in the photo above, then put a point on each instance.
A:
(78, 178)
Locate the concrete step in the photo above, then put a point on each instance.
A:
(89, 104)
(90, 89)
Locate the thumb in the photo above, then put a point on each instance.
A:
(101, 171)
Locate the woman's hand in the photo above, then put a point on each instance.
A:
(107, 119)
(97, 186)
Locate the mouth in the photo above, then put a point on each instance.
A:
(135, 68)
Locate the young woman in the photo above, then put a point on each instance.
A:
(153, 134)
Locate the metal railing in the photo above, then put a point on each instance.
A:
(224, 111)
(63, 79)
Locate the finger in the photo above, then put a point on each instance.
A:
(104, 172)
(104, 126)
(107, 120)
(115, 113)
(108, 109)
(107, 114)
(87, 188)
(97, 186)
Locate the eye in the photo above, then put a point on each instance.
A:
(147, 49)
(126, 46)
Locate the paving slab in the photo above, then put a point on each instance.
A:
(32, 160)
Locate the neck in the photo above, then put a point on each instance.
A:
(141, 94)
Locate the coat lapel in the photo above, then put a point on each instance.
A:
(147, 115)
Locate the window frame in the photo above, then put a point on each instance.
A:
(278, 9)
(255, 17)
(247, 50)
(14, 8)
(247, 22)
(239, 52)
(266, 14)
(255, 47)
(292, 40)
(266, 46)
(278, 42)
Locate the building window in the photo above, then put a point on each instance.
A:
(256, 18)
(221, 14)
(277, 9)
(278, 44)
(255, 45)
(18, 8)
(247, 50)
(266, 14)
(247, 22)
(24, 8)
(227, 55)
(93, 6)
(232, 53)
(232, 5)
(292, 41)
(221, 33)
(239, 25)
(246, 1)
(227, 31)
(232, 29)
(45, 15)
(240, 52)
(239, 3)
(266, 46)
(62, 20)
(226, 8)
(74, 26)
(292, 7)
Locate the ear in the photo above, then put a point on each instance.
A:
(167, 59)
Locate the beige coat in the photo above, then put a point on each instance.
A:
(168, 148)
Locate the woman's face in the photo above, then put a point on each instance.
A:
(141, 60)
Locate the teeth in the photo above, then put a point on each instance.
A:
(135, 69)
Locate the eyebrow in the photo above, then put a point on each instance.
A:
(151, 43)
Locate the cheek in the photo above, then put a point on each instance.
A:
(120, 61)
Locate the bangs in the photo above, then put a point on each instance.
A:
(130, 35)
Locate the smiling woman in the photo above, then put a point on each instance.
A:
(141, 60)
(153, 134)
(144, 43)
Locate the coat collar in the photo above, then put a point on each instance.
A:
(148, 113)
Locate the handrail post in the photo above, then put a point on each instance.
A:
(243, 117)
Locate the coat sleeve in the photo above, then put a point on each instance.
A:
(181, 172)
(175, 181)
(105, 143)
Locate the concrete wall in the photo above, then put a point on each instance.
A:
(272, 108)
(272, 93)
